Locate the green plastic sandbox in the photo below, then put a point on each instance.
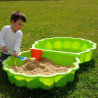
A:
(45, 82)
(61, 50)
(77, 47)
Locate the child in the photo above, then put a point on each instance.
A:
(11, 36)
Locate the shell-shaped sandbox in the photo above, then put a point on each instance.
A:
(77, 47)
(45, 82)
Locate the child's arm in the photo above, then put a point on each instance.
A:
(15, 53)
(17, 44)
(2, 35)
(4, 49)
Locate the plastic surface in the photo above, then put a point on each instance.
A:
(45, 82)
(35, 53)
(77, 47)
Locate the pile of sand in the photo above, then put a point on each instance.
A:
(43, 67)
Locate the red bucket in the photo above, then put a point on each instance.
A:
(35, 53)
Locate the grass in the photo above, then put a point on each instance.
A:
(45, 19)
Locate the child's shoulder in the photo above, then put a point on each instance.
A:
(19, 32)
(6, 27)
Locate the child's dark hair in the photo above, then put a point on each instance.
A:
(18, 15)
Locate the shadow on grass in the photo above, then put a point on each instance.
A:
(8, 89)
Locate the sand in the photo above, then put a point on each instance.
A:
(43, 67)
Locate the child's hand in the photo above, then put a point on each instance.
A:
(4, 48)
(15, 53)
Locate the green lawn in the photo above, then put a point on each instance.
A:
(45, 19)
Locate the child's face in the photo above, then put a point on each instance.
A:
(18, 24)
